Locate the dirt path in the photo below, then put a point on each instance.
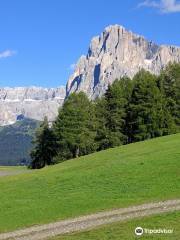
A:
(91, 221)
(4, 173)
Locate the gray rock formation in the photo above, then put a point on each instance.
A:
(29, 102)
(115, 53)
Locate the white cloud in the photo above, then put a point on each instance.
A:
(148, 3)
(7, 53)
(165, 6)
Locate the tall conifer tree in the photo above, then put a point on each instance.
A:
(170, 78)
(45, 147)
(145, 113)
(74, 127)
(115, 104)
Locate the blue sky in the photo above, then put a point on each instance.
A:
(41, 39)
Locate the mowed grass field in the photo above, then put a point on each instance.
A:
(125, 230)
(120, 177)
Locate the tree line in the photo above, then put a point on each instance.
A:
(131, 110)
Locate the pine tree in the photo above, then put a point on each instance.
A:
(117, 97)
(145, 113)
(74, 127)
(168, 122)
(170, 85)
(45, 146)
(101, 139)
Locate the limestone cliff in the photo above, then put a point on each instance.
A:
(115, 53)
(29, 102)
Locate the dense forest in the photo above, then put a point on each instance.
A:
(131, 110)
(16, 142)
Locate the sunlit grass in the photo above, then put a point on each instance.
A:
(132, 174)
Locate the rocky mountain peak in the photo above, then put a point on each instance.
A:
(117, 52)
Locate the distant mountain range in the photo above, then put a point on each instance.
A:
(29, 102)
(113, 54)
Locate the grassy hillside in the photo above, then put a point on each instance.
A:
(15, 142)
(132, 174)
(125, 230)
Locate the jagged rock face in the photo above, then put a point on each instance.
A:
(30, 102)
(116, 53)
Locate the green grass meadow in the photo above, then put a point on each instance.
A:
(120, 177)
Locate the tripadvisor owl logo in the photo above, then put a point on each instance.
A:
(139, 231)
